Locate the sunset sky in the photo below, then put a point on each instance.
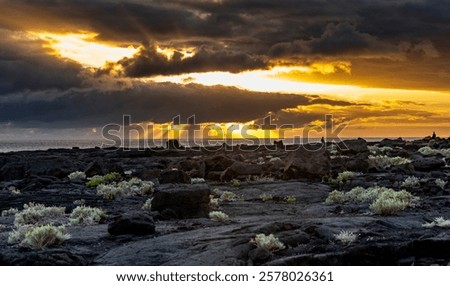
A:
(67, 68)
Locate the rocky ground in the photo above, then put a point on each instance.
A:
(278, 191)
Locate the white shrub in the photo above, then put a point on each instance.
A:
(439, 222)
(228, 197)
(147, 205)
(33, 214)
(427, 151)
(2, 227)
(213, 202)
(344, 177)
(219, 216)
(83, 215)
(410, 182)
(197, 181)
(275, 159)
(14, 191)
(43, 236)
(11, 211)
(383, 161)
(440, 183)
(77, 176)
(270, 242)
(356, 195)
(132, 187)
(346, 237)
(391, 202)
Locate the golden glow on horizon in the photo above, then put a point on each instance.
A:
(270, 81)
(83, 48)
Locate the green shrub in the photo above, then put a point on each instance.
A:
(95, 181)
(235, 183)
(290, 199)
(266, 197)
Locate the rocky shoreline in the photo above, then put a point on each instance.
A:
(279, 190)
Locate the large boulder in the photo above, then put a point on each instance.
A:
(133, 223)
(174, 176)
(307, 163)
(353, 146)
(183, 203)
(240, 169)
(427, 164)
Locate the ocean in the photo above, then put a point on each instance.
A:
(29, 145)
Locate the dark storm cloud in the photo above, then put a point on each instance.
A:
(25, 65)
(147, 102)
(149, 62)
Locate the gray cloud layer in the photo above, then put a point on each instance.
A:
(391, 43)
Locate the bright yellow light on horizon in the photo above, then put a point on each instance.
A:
(82, 48)
(270, 81)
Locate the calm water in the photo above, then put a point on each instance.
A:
(13, 146)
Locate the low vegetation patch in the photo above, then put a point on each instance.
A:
(266, 197)
(427, 151)
(83, 215)
(198, 181)
(391, 202)
(219, 216)
(268, 242)
(228, 197)
(11, 211)
(343, 177)
(147, 205)
(383, 201)
(34, 214)
(98, 180)
(410, 182)
(346, 237)
(132, 187)
(438, 222)
(38, 237)
(440, 183)
(383, 161)
(77, 176)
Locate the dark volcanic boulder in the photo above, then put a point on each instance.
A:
(217, 163)
(184, 203)
(134, 223)
(240, 169)
(303, 163)
(353, 146)
(427, 164)
(174, 176)
(95, 168)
